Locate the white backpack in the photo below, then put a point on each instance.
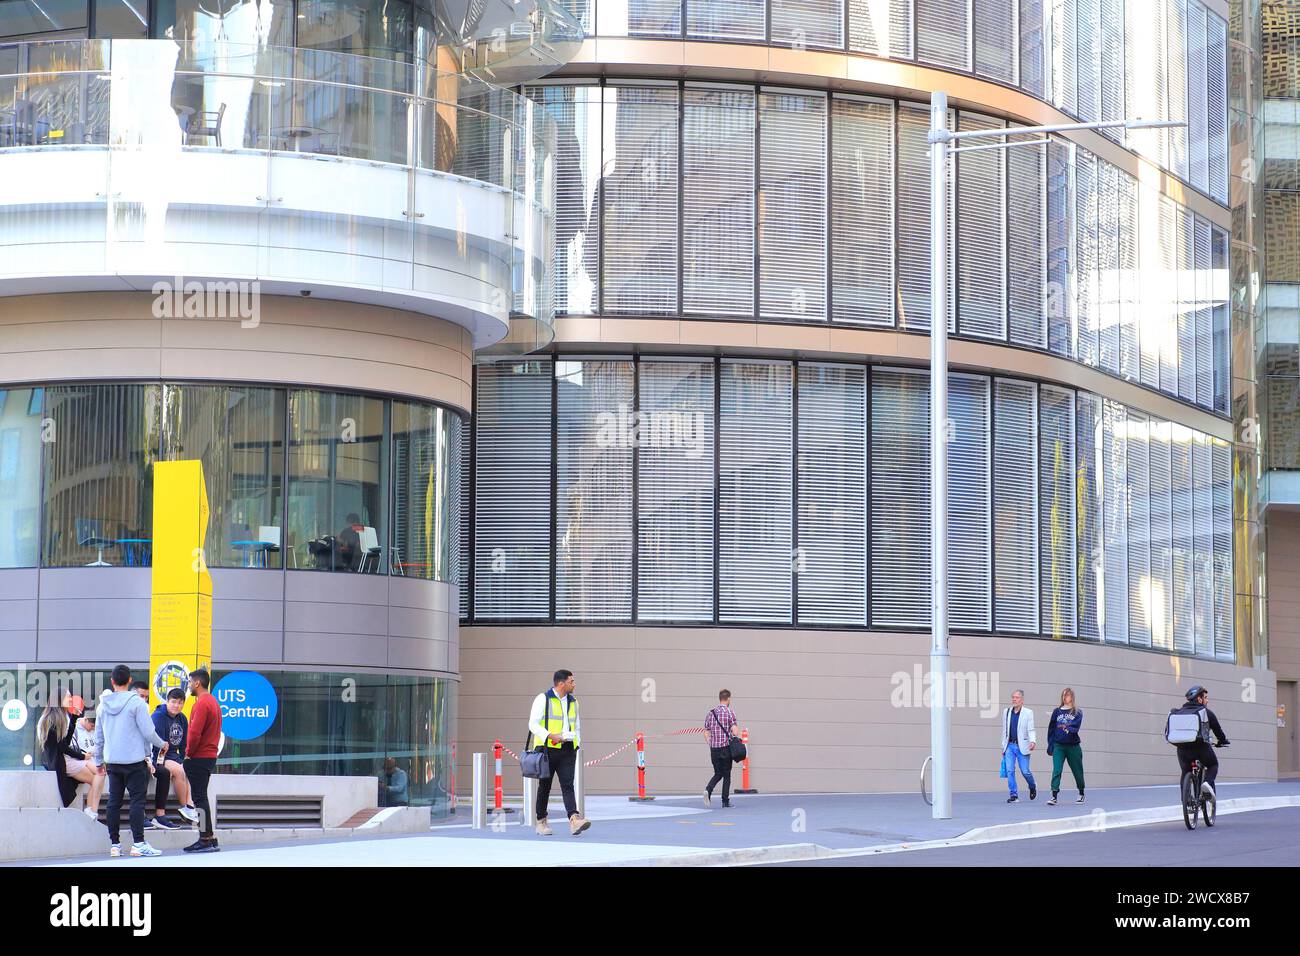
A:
(1184, 727)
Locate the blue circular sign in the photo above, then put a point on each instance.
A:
(248, 704)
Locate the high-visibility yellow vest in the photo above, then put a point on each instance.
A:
(553, 718)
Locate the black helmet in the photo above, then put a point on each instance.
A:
(1195, 691)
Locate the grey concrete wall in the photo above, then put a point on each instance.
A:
(830, 710)
(100, 617)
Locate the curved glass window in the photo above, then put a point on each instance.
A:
(20, 470)
(337, 483)
(422, 467)
(98, 492)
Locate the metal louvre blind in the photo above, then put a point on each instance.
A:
(1150, 324)
(512, 491)
(1216, 110)
(1108, 266)
(900, 498)
(1221, 469)
(805, 23)
(1064, 54)
(792, 206)
(593, 512)
(1176, 35)
(1166, 286)
(1186, 308)
(1056, 510)
(718, 201)
(1181, 513)
(675, 492)
(640, 190)
(1060, 250)
(1015, 515)
(969, 503)
(458, 459)
(1197, 90)
(1218, 298)
(1027, 245)
(881, 28)
(1032, 52)
(1090, 554)
(1162, 567)
(942, 33)
(1204, 315)
(831, 559)
(651, 18)
(981, 245)
(914, 221)
(1144, 75)
(1139, 530)
(576, 111)
(1113, 600)
(1203, 543)
(755, 525)
(1112, 66)
(726, 19)
(1085, 232)
(862, 210)
(1129, 284)
(994, 39)
(1088, 44)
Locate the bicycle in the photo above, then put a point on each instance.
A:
(1195, 802)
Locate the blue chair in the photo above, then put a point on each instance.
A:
(88, 536)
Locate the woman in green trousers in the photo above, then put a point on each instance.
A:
(1063, 743)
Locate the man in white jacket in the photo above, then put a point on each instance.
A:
(1018, 741)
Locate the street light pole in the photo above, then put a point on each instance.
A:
(940, 716)
(944, 143)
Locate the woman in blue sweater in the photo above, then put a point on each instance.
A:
(1063, 743)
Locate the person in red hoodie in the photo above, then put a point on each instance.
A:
(201, 756)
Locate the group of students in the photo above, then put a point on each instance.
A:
(125, 745)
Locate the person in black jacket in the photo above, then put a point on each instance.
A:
(56, 732)
(1197, 703)
(173, 726)
(1063, 744)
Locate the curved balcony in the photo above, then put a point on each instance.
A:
(128, 162)
(508, 41)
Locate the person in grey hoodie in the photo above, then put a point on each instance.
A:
(124, 735)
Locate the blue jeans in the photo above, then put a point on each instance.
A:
(1010, 760)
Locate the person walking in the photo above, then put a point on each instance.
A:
(554, 724)
(721, 725)
(201, 758)
(1063, 744)
(123, 737)
(1018, 741)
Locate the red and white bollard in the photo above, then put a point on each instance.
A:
(640, 771)
(497, 792)
(744, 765)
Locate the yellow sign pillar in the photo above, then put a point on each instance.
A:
(181, 608)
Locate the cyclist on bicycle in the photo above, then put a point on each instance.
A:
(1197, 698)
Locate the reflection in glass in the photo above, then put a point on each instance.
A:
(238, 434)
(122, 19)
(379, 28)
(98, 488)
(337, 482)
(421, 500)
(20, 476)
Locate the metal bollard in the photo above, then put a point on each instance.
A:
(530, 802)
(480, 780)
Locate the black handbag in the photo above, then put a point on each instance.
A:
(534, 764)
(736, 745)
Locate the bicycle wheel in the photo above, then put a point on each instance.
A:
(1191, 800)
(925, 791)
(1208, 805)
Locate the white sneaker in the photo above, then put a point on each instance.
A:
(115, 850)
(708, 798)
(90, 813)
(189, 813)
(1208, 790)
(144, 849)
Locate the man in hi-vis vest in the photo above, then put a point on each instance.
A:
(555, 726)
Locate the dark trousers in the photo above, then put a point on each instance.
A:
(1202, 751)
(721, 757)
(123, 778)
(163, 787)
(563, 760)
(198, 770)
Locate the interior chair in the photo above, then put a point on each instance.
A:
(88, 536)
(208, 125)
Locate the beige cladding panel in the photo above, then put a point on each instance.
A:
(337, 345)
(840, 711)
(1284, 593)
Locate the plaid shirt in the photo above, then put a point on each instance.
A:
(719, 723)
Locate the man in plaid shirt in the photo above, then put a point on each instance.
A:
(721, 725)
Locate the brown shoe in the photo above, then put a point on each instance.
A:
(543, 828)
(577, 824)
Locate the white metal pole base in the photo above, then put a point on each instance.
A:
(479, 816)
(530, 802)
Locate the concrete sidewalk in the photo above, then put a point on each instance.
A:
(757, 829)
